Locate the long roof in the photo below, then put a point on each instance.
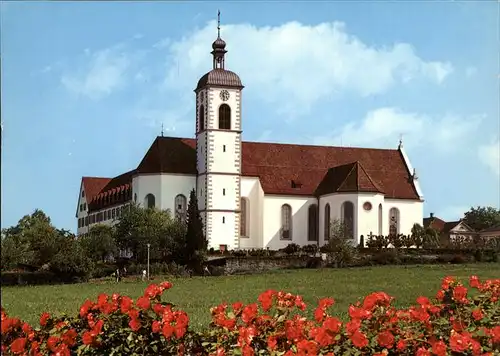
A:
(285, 169)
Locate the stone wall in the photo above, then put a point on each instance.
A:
(247, 265)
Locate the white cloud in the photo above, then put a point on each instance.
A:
(489, 154)
(295, 65)
(104, 73)
(382, 128)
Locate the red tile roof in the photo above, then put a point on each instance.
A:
(442, 226)
(315, 170)
(107, 191)
(93, 185)
(434, 223)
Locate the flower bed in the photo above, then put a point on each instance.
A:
(455, 323)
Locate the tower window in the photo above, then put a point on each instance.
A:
(223, 219)
(224, 191)
(223, 148)
(201, 117)
(224, 117)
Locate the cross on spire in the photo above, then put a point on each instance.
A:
(162, 129)
(218, 23)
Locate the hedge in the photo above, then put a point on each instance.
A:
(455, 322)
(36, 278)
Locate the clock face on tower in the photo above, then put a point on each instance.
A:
(224, 95)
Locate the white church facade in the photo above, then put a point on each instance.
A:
(259, 195)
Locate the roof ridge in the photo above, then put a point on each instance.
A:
(292, 144)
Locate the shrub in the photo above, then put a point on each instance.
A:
(292, 248)
(32, 278)
(310, 249)
(386, 257)
(455, 322)
(377, 242)
(341, 252)
(453, 259)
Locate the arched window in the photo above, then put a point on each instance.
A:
(347, 214)
(201, 117)
(135, 197)
(180, 207)
(380, 219)
(224, 117)
(244, 217)
(149, 201)
(286, 222)
(327, 222)
(312, 233)
(393, 221)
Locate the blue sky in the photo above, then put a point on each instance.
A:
(86, 87)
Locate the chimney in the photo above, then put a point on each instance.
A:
(432, 215)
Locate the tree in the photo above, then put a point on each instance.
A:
(196, 243)
(417, 236)
(481, 218)
(99, 243)
(340, 230)
(34, 240)
(431, 238)
(137, 227)
(70, 262)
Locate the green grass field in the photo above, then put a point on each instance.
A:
(197, 295)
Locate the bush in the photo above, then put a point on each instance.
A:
(103, 270)
(310, 249)
(291, 249)
(32, 278)
(341, 252)
(387, 257)
(453, 259)
(276, 325)
(158, 268)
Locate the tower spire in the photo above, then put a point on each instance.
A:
(162, 129)
(218, 47)
(218, 23)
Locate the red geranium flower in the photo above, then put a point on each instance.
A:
(143, 303)
(44, 318)
(385, 339)
(460, 294)
(359, 339)
(18, 346)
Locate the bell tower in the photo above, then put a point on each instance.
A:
(218, 148)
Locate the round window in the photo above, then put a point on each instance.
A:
(367, 206)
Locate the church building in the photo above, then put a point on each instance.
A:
(255, 194)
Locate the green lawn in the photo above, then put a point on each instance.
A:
(197, 295)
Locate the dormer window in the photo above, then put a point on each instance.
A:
(296, 184)
(83, 194)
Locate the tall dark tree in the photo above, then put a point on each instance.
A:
(196, 243)
(482, 217)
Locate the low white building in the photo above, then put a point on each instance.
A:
(259, 195)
